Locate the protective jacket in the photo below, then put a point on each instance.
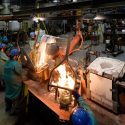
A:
(82, 103)
(85, 106)
(12, 79)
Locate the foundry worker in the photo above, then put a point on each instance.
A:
(32, 40)
(3, 56)
(13, 81)
(82, 114)
(3, 59)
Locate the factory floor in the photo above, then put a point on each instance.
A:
(5, 119)
(104, 116)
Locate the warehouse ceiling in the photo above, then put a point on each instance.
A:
(31, 4)
(25, 8)
(20, 2)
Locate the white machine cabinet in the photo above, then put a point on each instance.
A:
(103, 72)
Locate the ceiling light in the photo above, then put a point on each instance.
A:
(56, 1)
(99, 17)
(37, 19)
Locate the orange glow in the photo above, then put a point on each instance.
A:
(41, 54)
(65, 79)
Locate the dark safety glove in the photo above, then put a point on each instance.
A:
(76, 94)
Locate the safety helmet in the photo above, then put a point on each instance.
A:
(5, 39)
(32, 34)
(2, 45)
(80, 117)
(14, 52)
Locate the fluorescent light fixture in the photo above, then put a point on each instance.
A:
(74, 0)
(99, 17)
(37, 19)
(56, 1)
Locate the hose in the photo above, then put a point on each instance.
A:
(76, 44)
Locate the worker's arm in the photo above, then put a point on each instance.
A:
(80, 100)
(86, 107)
(83, 87)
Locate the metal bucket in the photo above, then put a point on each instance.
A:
(42, 74)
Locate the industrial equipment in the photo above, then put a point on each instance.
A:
(103, 74)
(113, 45)
(47, 66)
(37, 60)
(62, 81)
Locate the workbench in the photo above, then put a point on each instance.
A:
(46, 98)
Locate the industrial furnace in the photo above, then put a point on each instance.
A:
(103, 74)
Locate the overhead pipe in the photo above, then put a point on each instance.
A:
(71, 6)
(10, 17)
(59, 7)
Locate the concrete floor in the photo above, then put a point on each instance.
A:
(104, 116)
(5, 119)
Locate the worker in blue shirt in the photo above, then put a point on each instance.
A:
(13, 80)
(82, 114)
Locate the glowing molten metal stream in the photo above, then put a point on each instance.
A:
(41, 55)
(65, 80)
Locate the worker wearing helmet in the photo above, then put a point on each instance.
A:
(13, 80)
(3, 56)
(82, 115)
(32, 40)
(3, 59)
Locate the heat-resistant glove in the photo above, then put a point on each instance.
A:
(76, 94)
